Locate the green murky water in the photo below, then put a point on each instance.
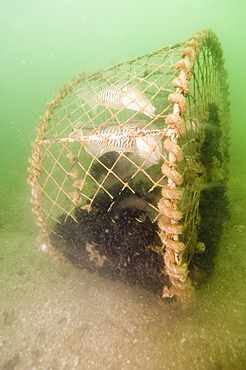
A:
(56, 317)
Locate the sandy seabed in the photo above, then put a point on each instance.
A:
(59, 317)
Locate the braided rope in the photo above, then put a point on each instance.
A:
(176, 266)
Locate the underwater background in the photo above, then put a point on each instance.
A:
(57, 317)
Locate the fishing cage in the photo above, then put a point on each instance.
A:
(129, 168)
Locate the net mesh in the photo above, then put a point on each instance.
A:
(154, 128)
